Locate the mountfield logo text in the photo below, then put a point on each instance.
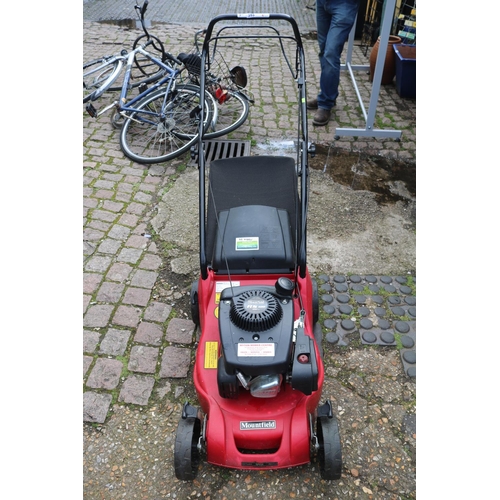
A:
(257, 426)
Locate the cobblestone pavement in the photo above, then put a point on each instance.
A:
(138, 339)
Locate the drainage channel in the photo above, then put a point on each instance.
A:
(216, 150)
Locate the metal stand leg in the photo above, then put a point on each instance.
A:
(369, 117)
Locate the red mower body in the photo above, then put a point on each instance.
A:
(250, 432)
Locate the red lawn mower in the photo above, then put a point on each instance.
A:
(258, 370)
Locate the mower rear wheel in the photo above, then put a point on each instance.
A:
(315, 301)
(195, 307)
(330, 451)
(186, 453)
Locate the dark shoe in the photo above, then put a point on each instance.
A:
(321, 117)
(312, 104)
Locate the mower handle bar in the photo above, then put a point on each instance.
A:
(251, 17)
(304, 201)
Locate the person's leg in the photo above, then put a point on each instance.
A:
(335, 19)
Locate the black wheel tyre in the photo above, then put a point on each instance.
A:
(330, 451)
(315, 301)
(186, 453)
(195, 308)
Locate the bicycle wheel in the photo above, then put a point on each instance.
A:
(230, 115)
(98, 75)
(162, 129)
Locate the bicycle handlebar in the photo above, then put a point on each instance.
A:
(142, 10)
(174, 59)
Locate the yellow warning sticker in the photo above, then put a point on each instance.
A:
(211, 354)
(221, 285)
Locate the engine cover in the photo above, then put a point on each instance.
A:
(256, 328)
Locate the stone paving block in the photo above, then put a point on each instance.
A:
(131, 255)
(119, 232)
(151, 262)
(90, 234)
(95, 406)
(89, 202)
(112, 206)
(90, 340)
(157, 311)
(175, 362)
(91, 282)
(86, 302)
(110, 246)
(98, 263)
(110, 292)
(180, 331)
(125, 197)
(143, 359)
(97, 315)
(153, 248)
(104, 184)
(137, 241)
(126, 316)
(149, 333)
(115, 342)
(100, 225)
(136, 390)
(87, 361)
(105, 374)
(124, 187)
(136, 208)
(119, 272)
(137, 296)
(144, 279)
(129, 220)
(104, 215)
(143, 197)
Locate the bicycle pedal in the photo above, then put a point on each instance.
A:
(91, 110)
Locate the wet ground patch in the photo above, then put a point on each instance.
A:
(391, 180)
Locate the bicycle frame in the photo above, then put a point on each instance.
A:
(122, 105)
(111, 78)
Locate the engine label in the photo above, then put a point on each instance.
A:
(256, 350)
(258, 426)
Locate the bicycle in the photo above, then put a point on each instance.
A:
(101, 74)
(231, 102)
(162, 122)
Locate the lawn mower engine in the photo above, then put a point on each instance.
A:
(258, 335)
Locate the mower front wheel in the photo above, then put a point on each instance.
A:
(186, 453)
(330, 451)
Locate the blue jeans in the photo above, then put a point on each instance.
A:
(334, 19)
